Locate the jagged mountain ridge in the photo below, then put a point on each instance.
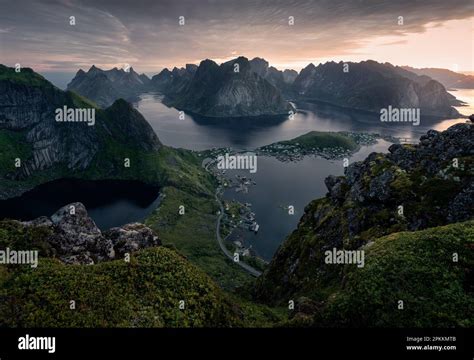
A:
(174, 81)
(282, 80)
(105, 86)
(368, 86)
(371, 86)
(222, 91)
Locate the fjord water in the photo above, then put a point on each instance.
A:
(198, 133)
(278, 184)
(281, 184)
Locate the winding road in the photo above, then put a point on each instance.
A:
(226, 251)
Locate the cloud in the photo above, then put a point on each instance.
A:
(147, 34)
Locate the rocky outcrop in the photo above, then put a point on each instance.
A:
(76, 239)
(371, 86)
(232, 89)
(411, 188)
(105, 86)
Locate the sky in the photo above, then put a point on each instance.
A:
(147, 34)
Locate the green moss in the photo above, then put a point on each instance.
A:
(402, 185)
(25, 77)
(145, 292)
(13, 145)
(320, 140)
(80, 101)
(18, 237)
(417, 268)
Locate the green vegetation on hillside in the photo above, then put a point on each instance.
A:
(330, 145)
(419, 268)
(320, 140)
(25, 77)
(194, 234)
(145, 292)
(12, 145)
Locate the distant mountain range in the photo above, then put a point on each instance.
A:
(174, 81)
(258, 89)
(370, 86)
(104, 87)
(450, 79)
(231, 89)
(282, 80)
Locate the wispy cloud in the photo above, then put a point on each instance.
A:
(146, 33)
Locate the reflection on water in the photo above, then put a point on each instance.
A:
(278, 184)
(198, 133)
(466, 95)
(109, 203)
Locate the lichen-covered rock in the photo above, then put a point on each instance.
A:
(76, 239)
(131, 237)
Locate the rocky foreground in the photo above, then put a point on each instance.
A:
(85, 278)
(412, 188)
(74, 238)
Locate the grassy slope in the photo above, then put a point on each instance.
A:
(145, 292)
(320, 140)
(25, 77)
(416, 267)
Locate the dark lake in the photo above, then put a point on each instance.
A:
(109, 203)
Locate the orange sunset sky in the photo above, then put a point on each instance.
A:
(148, 36)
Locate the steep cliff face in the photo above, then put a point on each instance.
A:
(104, 87)
(282, 80)
(370, 86)
(28, 105)
(29, 108)
(173, 82)
(229, 90)
(409, 189)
